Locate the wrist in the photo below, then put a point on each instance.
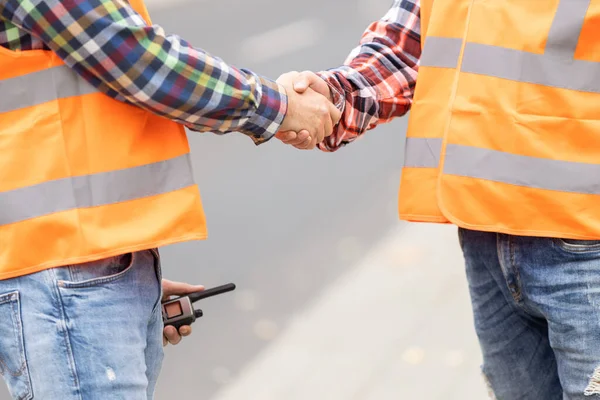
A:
(289, 111)
(336, 93)
(270, 112)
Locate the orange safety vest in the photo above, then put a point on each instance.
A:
(504, 133)
(83, 176)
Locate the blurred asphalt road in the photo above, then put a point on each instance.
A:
(284, 225)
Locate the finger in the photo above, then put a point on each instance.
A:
(293, 138)
(287, 77)
(185, 330)
(327, 125)
(171, 288)
(301, 137)
(308, 79)
(323, 120)
(316, 138)
(304, 145)
(172, 335)
(301, 83)
(286, 137)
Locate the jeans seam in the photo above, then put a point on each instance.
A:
(18, 320)
(67, 338)
(517, 296)
(505, 271)
(157, 271)
(516, 272)
(553, 366)
(14, 303)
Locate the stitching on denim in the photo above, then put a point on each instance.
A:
(72, 274)
(12, 300)
(4, 368)
(99, 281)
(158, 272)
(21, 337)
(16, 321)
(507, 270)
(65, 331)
(576, 248)
(515, 269)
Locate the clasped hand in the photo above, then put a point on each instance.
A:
(311, 115)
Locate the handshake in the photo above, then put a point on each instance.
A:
(311, 115)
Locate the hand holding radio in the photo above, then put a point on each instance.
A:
(179, 313)
(170, 289)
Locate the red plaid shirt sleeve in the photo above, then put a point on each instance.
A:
(377, 81)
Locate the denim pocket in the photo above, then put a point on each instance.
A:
(98, 272)
(578, 246)
(13, 364)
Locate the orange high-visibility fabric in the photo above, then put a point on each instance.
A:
(504, 133)
(83, 176)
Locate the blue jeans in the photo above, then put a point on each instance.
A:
(85, 332)
(536, 305)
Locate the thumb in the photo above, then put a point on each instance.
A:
(309, 79)
(302, 83)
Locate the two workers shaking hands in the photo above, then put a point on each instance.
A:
(311, 114)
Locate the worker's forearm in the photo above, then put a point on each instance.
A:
(110, 45)
(377, 82)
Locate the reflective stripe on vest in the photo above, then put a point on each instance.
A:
(50, 84)
(84, 176)
(474, 162)
(441, 52)
(555, 68)
(533, 172)
(503, 134)
(95, 190)
(80, 191)
(422, 152)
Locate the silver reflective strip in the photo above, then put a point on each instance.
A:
(494, 61)
(526, 67)
(520, 170)
(566, 28)
(441, 52)
(41, 87)
(95, 190)
(555, 68)
(422, 152)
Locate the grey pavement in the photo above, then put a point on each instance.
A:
(392, 327)
(286, 226)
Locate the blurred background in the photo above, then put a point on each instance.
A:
(336, 298)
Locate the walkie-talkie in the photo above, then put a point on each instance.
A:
(180, 311)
